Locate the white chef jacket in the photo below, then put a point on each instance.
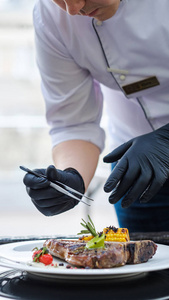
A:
(76, 55)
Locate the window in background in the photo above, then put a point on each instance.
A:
(24, 132)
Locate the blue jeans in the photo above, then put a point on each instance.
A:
(149, 217)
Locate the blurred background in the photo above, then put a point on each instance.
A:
(24, 138)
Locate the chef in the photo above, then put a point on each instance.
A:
(122, 46)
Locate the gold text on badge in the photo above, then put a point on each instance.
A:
(140, 85)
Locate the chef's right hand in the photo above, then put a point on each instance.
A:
(48, 200)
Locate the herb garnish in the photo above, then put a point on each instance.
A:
(98, 238)
(90, 228)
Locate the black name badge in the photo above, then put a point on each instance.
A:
(140, 85)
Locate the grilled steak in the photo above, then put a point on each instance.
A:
(114, 254)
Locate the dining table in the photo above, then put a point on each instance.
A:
(149, 285)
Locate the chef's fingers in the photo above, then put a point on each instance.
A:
(54, 174)
(46, 203)
(116, 175)
(140, 185)
(55, 209)
(44, 193)
(125, 184)
(156, 184)
(35, 182)
(117, 153)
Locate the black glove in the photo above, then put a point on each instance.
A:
(142, 170)
(48, 200)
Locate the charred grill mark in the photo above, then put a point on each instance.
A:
(131, 248)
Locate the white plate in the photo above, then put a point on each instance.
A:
(21, 254)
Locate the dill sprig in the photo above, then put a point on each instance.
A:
(89, 227)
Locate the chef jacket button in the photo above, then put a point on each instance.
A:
(99, 23)
(122, 77)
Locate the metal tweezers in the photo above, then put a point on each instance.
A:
(63, 188)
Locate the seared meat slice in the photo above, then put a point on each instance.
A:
(60, 248)
(108, 257)
(141, 251)
(114, 254)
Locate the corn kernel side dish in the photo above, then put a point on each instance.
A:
(112, 234)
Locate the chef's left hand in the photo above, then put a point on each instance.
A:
(142, 169)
